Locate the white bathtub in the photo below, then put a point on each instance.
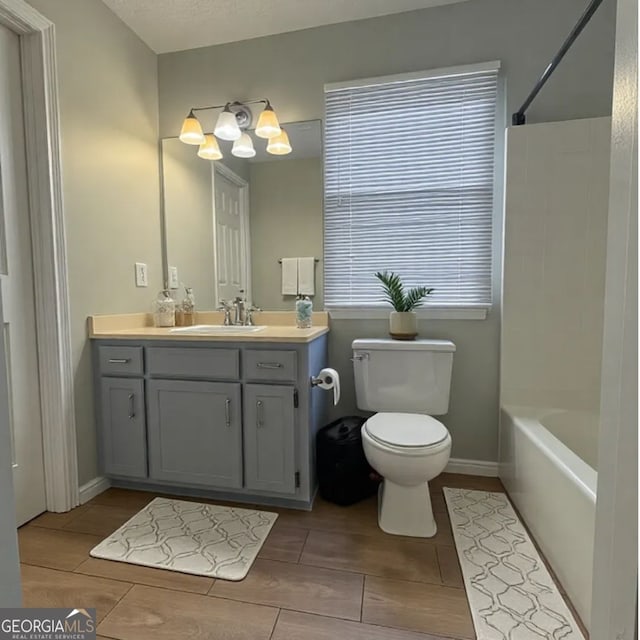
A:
(554, 489)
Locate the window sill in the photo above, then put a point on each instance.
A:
(478, 312)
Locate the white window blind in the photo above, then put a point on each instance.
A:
(409, 181)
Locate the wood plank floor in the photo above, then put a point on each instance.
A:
(325, 574)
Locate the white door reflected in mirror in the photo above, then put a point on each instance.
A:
(231, 216)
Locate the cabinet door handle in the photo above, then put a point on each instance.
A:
(132, 406)
(227, 412)
(259, 414)
(119, 360)
(270, 365)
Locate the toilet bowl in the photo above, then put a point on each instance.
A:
(407, 450)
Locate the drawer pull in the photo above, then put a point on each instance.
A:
(132, 406)
(270, 365)
(259, 414)
(119, 360)
(227, 412)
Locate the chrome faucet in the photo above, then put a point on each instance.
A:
(239, 306)
(242, 312)
(248, 318)
(226, 307)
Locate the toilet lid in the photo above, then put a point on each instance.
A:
(406, 429)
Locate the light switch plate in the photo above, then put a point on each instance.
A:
(141, 275)
(174, 281)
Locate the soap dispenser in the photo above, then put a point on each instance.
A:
(164, 310)
(188, 308)
(304, 311)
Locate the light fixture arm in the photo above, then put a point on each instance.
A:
(233, 103)
(213, 106)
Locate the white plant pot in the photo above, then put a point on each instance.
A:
(403, 325)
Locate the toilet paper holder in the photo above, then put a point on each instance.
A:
(316, 380)
(329, 380)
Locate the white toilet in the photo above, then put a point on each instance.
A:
(406, 383)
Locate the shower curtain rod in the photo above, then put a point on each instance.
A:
(519, 117)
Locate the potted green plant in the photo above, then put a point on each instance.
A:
(403, 322)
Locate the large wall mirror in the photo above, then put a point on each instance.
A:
(228, 222)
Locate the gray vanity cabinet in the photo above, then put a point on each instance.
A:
(269, 438)
(195, 432)
(229, 420)
(123, 436)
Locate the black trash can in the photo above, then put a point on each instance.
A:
(344, 475)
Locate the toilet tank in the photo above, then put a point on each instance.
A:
(410, 377)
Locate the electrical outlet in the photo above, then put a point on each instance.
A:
(141, 275)
(174, 281)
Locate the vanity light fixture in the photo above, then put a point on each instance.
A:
(209, 149)
(231, 125)
(279, 145)
(268, 125)
(227, 126)
(243, 147)
(191, 132)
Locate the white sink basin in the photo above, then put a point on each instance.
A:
(215, 329)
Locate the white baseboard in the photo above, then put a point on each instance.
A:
(473, 467)
(456, 465)
(93, 488)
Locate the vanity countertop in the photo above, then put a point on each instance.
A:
(280, 327)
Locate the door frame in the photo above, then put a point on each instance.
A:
(10, 591)
(615, 563)
(48, 242)
(223, 170)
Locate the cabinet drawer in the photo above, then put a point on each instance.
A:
(180, 362)
(120, 361)
(269, 365)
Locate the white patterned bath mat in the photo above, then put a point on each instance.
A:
(201, 539)
(510, 592)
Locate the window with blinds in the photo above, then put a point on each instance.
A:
(409, 183)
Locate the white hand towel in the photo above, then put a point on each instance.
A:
(289, 276)
(306, 276)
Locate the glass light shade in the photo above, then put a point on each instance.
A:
(227, 126)
(243, 147)
(268, 125)
(209, 149)
(279, 145)
(191, 132)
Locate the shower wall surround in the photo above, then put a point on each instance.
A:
(554, 264)
(552, 326)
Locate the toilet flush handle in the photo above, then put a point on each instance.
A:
(358, 357)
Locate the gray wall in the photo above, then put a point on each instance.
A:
(108, 88)
(292, 68)
(286, 221)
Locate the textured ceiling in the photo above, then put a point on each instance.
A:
(175, 25)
